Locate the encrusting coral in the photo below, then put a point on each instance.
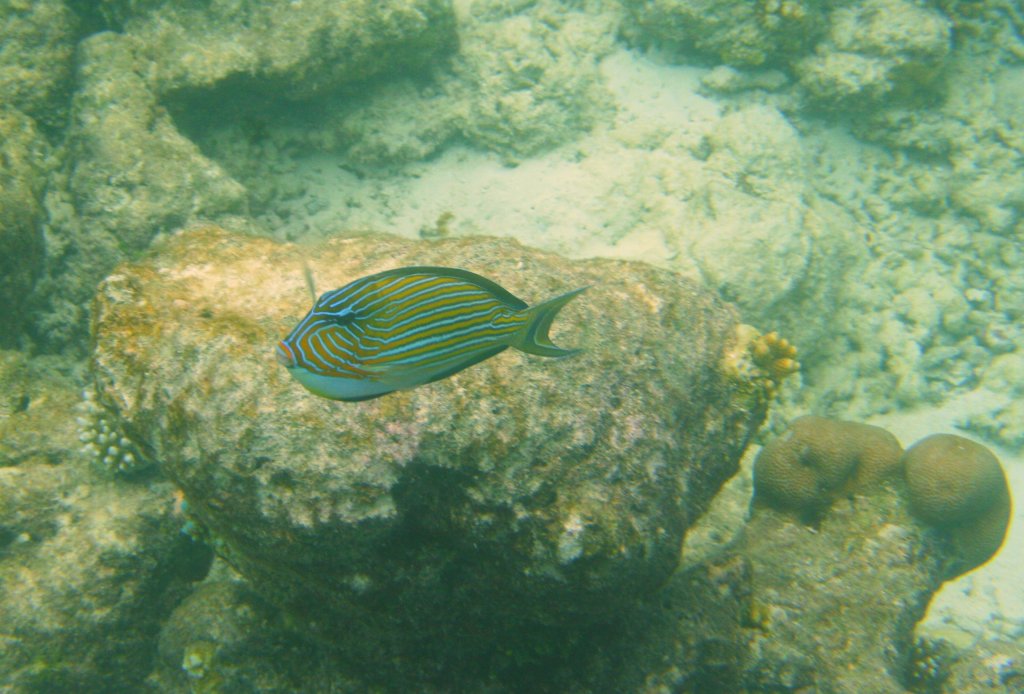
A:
(818, 460)
(959, 486)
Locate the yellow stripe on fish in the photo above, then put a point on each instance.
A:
(402, 328)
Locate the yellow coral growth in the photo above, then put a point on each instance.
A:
(760, 361)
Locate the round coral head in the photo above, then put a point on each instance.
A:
(959, 486)
(817, 460)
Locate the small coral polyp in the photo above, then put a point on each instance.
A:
(103, 441)
(760, 362)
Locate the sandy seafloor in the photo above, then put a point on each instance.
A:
(558, 201)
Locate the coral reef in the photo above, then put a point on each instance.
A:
(959, 486)
(819, 460)
(873, 556)
(870, 139)
(877, 50)
(355, 513)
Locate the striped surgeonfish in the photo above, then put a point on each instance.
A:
(402, 328)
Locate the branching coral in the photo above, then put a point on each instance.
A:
(103, 441)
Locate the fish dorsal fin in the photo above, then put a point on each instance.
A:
(310, 283)
(500, 293)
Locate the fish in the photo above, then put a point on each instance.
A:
(410, 326)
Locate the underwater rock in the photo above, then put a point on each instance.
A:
(755, 215)
(685, 637)
(992, 666)
(88, 566)
(135, 175)
(386, 130)
(132, 176)
(836, 593)
(836, 603)
(295, 50)
(37, 47)
(223, 637)
(518, 492)
(21, 242)
(737, 32)
(877, 50)
(529, 80)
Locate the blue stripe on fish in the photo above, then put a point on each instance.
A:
(402, 328)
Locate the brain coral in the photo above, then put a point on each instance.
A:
(959, 486)
(819, 459)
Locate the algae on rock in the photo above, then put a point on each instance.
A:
(516, 493)
(21, 243)
(89, 566)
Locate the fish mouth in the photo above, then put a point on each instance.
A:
(284, 355)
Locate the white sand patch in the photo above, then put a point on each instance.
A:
(585, 199)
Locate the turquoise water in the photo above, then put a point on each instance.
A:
(846, 174)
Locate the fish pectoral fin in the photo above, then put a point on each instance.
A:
(401, 376)
(375, 371)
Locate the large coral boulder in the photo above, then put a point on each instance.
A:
(518, 492)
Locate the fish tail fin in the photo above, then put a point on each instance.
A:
(533, 338)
